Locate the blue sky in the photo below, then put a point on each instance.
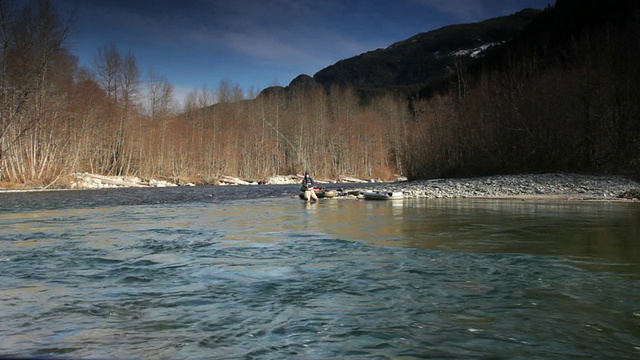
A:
(259, 43)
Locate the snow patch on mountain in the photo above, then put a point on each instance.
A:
(475, 52)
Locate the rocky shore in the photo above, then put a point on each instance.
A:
(553, 186)
(533, 186)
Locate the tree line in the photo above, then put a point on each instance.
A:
(531, 114)
(59, 118)
(564, 97)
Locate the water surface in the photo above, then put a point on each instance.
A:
(196, 273)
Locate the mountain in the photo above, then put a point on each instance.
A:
(409, 65)
(423, 58)
(426, 62)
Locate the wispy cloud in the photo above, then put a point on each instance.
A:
(315, 33)
(478, 10)
(462, 10)
(282, 31)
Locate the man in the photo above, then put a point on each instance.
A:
(307, 187)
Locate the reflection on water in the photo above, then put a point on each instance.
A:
(605, 231)
(277, 278)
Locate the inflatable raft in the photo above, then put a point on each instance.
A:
(321, 193)
(383, 195)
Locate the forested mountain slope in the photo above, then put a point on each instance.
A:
(425, 57)
(408, 65)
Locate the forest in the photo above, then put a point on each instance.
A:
(558, 98)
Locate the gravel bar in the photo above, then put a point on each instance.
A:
(532, 186)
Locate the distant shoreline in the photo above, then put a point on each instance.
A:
(551, 186)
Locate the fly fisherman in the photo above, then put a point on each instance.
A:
(307, 187)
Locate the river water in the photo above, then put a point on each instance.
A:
(253, 272)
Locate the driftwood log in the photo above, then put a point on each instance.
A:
(93, 181)
(128, 181)
(352, 179)
(230, 180)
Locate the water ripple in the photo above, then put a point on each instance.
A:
(220, 281)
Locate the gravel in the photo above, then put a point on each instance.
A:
(532, 186)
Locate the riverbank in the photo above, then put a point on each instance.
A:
(553, 186)
(532, 186)
(86, 181)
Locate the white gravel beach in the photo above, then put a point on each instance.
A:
(531, 186)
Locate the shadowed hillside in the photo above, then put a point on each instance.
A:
(412, 63)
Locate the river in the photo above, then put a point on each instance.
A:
(253, 272)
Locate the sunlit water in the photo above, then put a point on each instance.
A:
(196, 273)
